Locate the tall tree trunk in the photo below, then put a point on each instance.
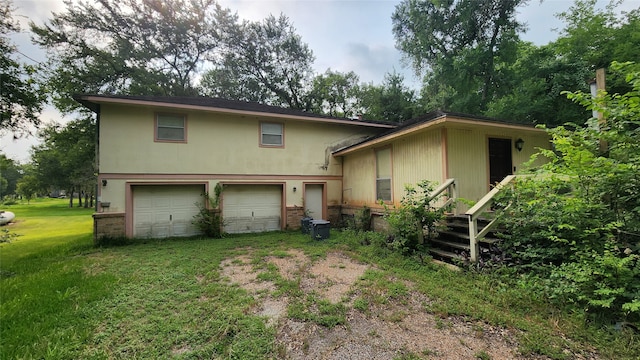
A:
(71, 197)
(80, 198)
(86, 200)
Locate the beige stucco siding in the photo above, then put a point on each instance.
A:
(219, 148)
(218, 144)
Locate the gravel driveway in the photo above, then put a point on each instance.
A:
(391, 328)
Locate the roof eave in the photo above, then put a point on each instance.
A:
(92, 101)
(439, 120)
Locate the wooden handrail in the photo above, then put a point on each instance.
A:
(474, 213)
(487, 200)
(450, 184)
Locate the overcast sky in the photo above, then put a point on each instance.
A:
(345, 35)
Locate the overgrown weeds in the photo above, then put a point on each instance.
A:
(573, 230)
(417, 217)
(209, 218)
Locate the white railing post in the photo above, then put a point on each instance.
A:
(473, 241)
(454, 196)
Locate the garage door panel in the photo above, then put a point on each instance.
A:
(164, 211)
(252, 208)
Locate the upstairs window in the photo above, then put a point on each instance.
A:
(171, 127)
(271, 134)
(383, 174)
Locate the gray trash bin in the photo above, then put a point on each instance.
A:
(305, 225)
(320, 229)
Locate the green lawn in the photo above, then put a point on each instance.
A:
(62, 298)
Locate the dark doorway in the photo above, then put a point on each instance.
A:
(500, 163)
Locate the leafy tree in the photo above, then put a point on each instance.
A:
(20, 96)
(391, 101)
(265, 62)
(578, 224)
(599, 36)
(10, 174)
(28, 187)
(458, 43)
(535, 82)
(592, 38)
(66, 158)
(131, 46)
(335, 94)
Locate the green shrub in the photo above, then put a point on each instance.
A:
(600, 282)
(9, 200)
(547, 225)
(7, 236)
(576, 225)
(416, 218)
(363, 219)
(209, 220)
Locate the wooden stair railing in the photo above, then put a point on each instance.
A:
(474, 213)
(450, 186)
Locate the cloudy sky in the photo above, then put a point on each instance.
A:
(345, 35)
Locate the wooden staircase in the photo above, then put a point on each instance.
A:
(453, 244)
(467, 238)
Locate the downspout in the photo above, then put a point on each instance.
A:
(97, 157)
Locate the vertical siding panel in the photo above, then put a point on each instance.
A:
(417, 157)
(359, 178)
(468, 162)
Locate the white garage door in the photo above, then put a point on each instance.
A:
(251, 208)
(164, 211)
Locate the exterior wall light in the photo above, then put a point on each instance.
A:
(295, 189)
(104, 182)
(519, 144)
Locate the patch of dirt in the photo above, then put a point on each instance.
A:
(240, 271)
(386, 330)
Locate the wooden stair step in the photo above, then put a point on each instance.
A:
(455, 234)
(451, 244)
(464, 219)
(445, 254)
(457, 217)
(459, 225)
(484, 240)
(489, 241)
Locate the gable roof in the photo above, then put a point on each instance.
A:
(429, 120)
(93, 102)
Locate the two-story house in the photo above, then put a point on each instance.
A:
(158, 155)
